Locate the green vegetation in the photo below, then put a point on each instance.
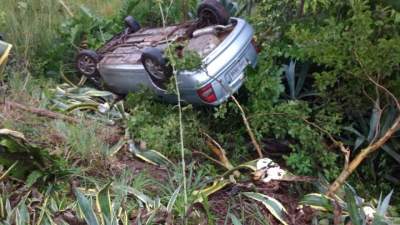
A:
(323, 93)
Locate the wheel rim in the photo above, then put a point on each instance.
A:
(154, 69)
(87, 65)
(208, 17)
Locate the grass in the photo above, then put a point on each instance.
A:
(31, 25)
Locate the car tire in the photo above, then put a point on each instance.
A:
(212, 12)
(132, 24)
(1, 37)
(86, 62)
(156, 66)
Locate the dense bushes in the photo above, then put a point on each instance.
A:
(345, 45)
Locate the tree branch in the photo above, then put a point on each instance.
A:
(39, 112)
(361, 156)
(247, 124)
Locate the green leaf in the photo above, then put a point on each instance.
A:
(234, 219)
(33, 177)
(273, 205)
(352, 206)
(13, 145)
(22, 215)
(86, 207)
(302, 77)
(205, 192)
(251, 165)
(318, 201)
(359, 141)
(354, 131)
(43, 208)
(384, 205)
(115, 149)
(149, 202)
(373, 123)
(389, 150)
(151, 156)
(4, 175)
(291, 77)
(103, 203)
(388, 119)
(172, 200)
(82, 106)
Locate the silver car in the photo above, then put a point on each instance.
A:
(136, 59)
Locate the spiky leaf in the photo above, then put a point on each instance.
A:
(86, 207)
(274, 206)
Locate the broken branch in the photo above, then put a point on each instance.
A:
(373, 146)
(248, 128)
(364, 153)
(39, 112)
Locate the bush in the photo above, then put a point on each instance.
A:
(345, 44)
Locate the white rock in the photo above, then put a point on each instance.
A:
(103, 108)
(263, 163)
(274, 173)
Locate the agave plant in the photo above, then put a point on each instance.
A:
(26, 161)
(365, 132)
(18, 215)
(72, 99)
(108, 213)
(296, 80)
(43, 210)
(352, 208)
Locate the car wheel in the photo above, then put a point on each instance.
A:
(86, 62)
(156, 66)
(212, 12)
(1, 37)
(132, 24)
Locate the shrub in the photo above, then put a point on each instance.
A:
(345, 44)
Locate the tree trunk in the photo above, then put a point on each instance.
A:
(361, 156)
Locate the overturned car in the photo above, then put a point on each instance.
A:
(136, 58)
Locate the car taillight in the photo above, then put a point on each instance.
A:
(256, 46)
(207, 94)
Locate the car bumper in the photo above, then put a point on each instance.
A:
(224, 67)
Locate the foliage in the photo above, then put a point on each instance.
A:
(343, 44)
(26, 161)
(364, 132)
(274, 206)
(161, 134)
(239, 8)
(75, 100)
(182, 58)
(311, 86)
(351, 207)
(109, 213)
